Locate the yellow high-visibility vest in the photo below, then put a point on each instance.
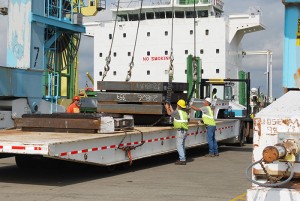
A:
(208, 119)
(182, 122)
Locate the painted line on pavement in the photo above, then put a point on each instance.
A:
(242, 197)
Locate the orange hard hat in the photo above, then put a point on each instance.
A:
(76, 98)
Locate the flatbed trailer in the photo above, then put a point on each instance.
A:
(111, 148)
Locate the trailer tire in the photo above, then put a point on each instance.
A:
(111, 168)
(242, 138)
(124, 166)
(25, 161)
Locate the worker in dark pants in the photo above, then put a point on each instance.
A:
(208, 119)
(181, 125)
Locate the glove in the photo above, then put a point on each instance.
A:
(191, 102)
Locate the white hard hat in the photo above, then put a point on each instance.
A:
(253, 90)
(208, 100)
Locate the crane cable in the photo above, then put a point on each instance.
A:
(131, 64)
(171, 67)
(194, 62)
(108, 58)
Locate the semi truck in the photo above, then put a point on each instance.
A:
(47, 37)
(107, 149)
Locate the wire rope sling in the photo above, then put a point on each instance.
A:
(108, 58)
(171, 66)
(131, 64)
(194, 62)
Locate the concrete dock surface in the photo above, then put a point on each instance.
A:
(157, 179)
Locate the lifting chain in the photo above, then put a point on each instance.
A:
(194, 69)
(171, 67)
(171, 73)
(270, 178)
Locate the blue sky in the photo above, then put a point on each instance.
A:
(269, 39)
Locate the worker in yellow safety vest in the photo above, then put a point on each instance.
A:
(181, 125)
(208, 119)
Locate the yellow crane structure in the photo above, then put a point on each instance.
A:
(90, 9)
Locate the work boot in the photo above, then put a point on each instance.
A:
(180, 162)
(209, 155)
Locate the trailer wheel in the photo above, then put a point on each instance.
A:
(111, 168)
(242, 134)
(25, 161)
(125, 166)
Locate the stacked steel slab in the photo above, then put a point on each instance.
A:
(137, 98)
(71, 123)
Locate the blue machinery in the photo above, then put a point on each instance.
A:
(291, 60)
(43, 40)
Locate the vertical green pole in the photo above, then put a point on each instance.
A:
(242, 88)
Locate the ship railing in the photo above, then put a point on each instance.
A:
(136, 3)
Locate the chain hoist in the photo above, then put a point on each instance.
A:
(171, 74)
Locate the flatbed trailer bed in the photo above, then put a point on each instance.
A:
(111, 148)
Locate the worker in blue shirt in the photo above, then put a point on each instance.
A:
(209, 121)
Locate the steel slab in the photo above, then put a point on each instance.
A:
(59, 123)
(129, 97)
(140, 86)
(138, 97)
(130, 109)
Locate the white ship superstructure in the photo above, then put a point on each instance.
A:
(215, 38)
